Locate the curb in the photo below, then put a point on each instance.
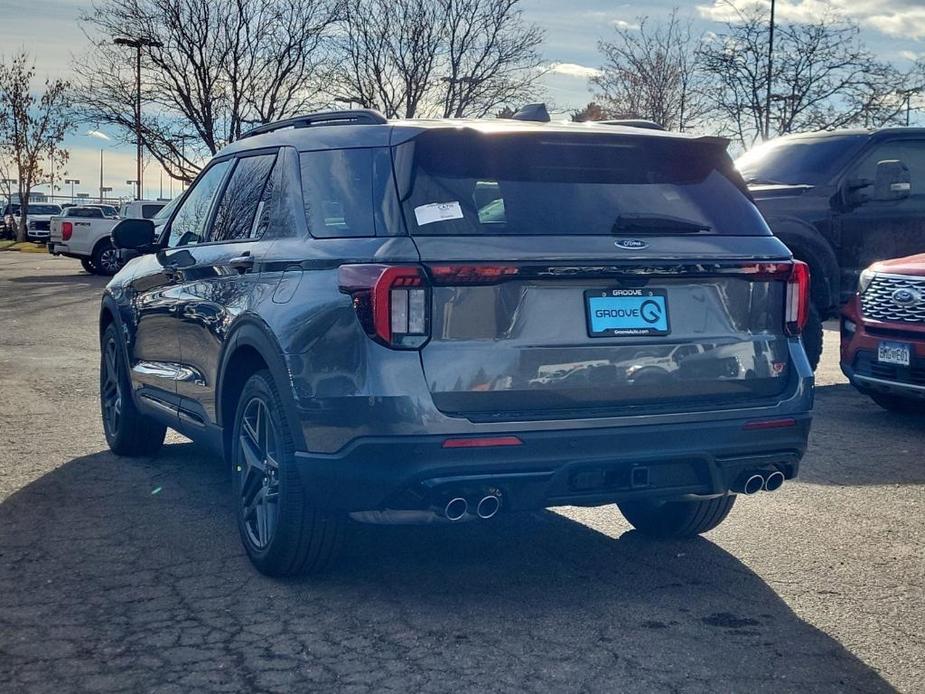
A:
(24, 247)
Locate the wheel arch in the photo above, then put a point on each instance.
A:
(806, 244)
(250, 348)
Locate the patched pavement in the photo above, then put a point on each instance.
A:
(120, 574)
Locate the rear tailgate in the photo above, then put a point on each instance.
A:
(516, 336)
(579, 277)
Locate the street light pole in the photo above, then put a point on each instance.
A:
(138, 44)
(767, 100)
(72, 181)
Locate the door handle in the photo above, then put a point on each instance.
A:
(242, 263)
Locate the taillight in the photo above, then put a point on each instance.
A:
(391, 301)
(797, 308)
(66, 230)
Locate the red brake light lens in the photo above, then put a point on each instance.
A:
(66, 230)
(797, 308)
(391, 301)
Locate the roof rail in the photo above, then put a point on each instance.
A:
(360, 116)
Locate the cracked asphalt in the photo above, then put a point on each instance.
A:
(128, 575)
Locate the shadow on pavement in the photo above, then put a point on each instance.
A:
(129, 574)
(885, 446)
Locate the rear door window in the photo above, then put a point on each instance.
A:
(468, 183)
(242, 206)
(148, 211)
(337, 191)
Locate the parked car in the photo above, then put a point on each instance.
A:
(38, 217)
(141, 209)
(83, 233)
(328, 308)
(883, 334)
(841, 200)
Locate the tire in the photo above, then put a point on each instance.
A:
(128, 432)
(87, 265)
(812, 337)
(894, 403)
(106, 258)
(676, 519)
(281, 532)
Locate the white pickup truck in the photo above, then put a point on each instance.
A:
(82, 232)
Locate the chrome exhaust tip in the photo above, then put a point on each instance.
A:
(774, 481)
(456, 508)
(753, 485)
(488, 506)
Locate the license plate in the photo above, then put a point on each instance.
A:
(894, 353)
(627, 312)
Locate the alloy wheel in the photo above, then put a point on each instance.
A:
(111, 389)
(109, 261)
(258, 469)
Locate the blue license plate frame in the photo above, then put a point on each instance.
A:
(627, 312)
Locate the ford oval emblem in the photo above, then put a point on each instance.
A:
(905, 297)
(630, 244)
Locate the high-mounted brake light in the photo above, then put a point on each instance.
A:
(477, 273)
(797, 308)
(66, 230)
(391, 302)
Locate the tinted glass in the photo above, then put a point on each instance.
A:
(90, 212)
(148, 211)
(242, 199)
(44, 209)
(909, 152)
(189, 224)
(809, 161)
(465, 183)
(109, 211)
(337, 189)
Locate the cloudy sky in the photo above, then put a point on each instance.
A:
(894, 29)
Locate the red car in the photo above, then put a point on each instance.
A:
(883, 334)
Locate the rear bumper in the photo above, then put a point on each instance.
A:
(552, 468)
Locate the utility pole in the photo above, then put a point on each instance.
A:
(101, 174)
(137, 44)
(767, 99)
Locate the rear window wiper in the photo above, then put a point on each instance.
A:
(654, 224)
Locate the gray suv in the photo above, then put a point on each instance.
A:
(418, 321)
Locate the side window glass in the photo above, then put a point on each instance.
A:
(189, 223)
(241, 203)
(337, 190)
(910, 152)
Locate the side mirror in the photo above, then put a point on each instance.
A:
(133, 235)
(892, 181)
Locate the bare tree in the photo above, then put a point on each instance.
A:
(823, 77)
(222, 67)
(592, 111)
(652, 72)
(32, 128)
(449, 58)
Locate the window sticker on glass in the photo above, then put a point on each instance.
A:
(437, 212)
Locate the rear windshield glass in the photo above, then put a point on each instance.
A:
(467, 183)
(44, 209)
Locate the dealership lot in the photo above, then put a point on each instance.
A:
(123, 574)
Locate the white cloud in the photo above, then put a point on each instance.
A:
(99, 135)
(574, 70)
(623, 24)
(900, 18)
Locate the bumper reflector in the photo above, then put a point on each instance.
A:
(770, 424)
(485, 442)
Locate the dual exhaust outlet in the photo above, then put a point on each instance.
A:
(754, 482)
(458, 507)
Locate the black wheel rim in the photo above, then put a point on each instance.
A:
(109, 260)
(258, 471)
(111, 389)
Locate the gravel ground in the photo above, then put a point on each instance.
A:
(120, 574)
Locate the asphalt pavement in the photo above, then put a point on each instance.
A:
(128, 575)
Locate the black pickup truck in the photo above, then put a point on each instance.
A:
(841, 200)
